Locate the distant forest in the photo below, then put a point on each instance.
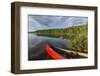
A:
(77, 36)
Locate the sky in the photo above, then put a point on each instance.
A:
(39, 22)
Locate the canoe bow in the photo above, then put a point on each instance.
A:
(52, 53)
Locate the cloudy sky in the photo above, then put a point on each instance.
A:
(37, 22)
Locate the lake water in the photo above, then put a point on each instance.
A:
(36, 46)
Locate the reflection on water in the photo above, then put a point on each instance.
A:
(36, 46)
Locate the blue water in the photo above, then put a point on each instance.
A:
(36, 45)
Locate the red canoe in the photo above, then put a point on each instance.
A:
(52, 53)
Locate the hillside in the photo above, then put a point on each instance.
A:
(77, 36)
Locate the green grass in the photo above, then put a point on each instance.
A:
(77, 36)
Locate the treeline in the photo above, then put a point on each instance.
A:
(77, 36)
